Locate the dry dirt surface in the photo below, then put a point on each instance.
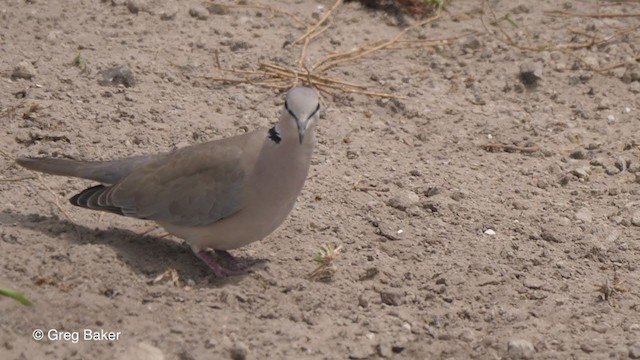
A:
(492, 212)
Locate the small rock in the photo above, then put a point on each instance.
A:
(586, 347)
(389, 231)
(591, 62)
(490, 232)
(391, 298)
(403, 200)
(117, 75)
(241, 101)
(24, 70)
(458, 195)
(218, 9)
(520, 349)
(432, 191)
(133, 6)
(199, 12)
(631, 74)
(520, 9)
(239, 351)
(472, 43)
(635, 219)
(622, 164)
(582, 172)
(142, 351)
(533, 283)
(352, 154)
(635, 87)
(363, 302)
(531, 72)
(634, 351)
(53, 36)
(583, 214)
(578, 154)
(467, 335)
(239, 45)
(548, 236)
(611, 170)
(168, 14)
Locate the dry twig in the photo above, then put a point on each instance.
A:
(560, 13)
(282, 77)
(21, 178)
(324, 18)
(170, 274)
(608, 290)
(510, 148)
(565, 48)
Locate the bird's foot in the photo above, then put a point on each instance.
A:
(224, 264)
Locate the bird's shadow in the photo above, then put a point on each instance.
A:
(145, 254)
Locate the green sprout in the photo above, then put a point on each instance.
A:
(16, 295)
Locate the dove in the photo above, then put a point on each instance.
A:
(219, 195)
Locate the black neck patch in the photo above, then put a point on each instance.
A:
(274, 135)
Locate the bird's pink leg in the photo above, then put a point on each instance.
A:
(223, 264)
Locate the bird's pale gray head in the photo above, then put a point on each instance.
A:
(303, 105)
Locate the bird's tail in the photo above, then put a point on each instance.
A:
(107, 172)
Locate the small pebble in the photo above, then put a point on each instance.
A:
(635, 219)
(634, 351)
(168, 14)
(531, 73)
(391, 298)
(199, 12)
(142, 351)
(133, 6)
(403, 200)
(117, 75)
(239, 351)
(578, 154)
(520, 349)
(217, 9)
(533, 283)
(24, 70)
(583, 214)
(490, 232)
(582, 172)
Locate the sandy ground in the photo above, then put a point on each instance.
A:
(452, 249)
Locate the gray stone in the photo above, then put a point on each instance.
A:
(403, 200)
(634, 351)
(239, 351)
(531, 72)
(24, 70)
(142, 351)
(533, 283)
(582, 172)
(199, 12)
(134, 6)
(635, 218)
(583, 214)
(520, 349)
(391, 298)
(117, 75)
